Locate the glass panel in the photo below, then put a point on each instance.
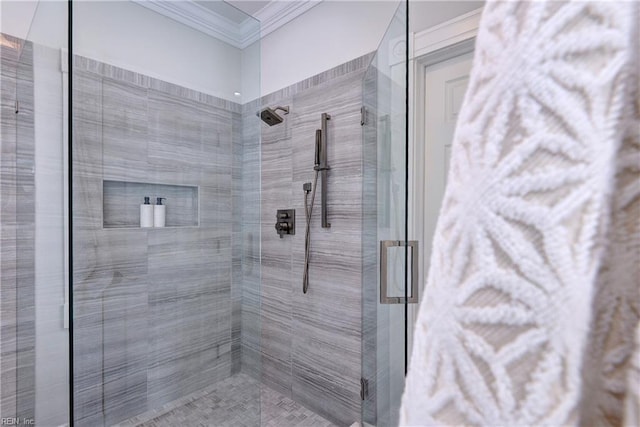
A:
(385, 207)
(165, 314)
(34, 340)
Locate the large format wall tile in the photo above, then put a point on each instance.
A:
(186, 133)
(17, 230)
(110, 324)
(250, 239)
(124, 131)
(276, 295)
(311, 347)
(236, 242)
(153, 307)
(327, 320)
(190, 313)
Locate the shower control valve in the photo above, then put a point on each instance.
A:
(286, 222)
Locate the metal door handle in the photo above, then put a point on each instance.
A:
(413, 296)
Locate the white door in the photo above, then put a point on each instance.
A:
(441, 94)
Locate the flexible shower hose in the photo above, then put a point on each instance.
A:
(307, 237)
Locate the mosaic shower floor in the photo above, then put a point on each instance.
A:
(231, 403)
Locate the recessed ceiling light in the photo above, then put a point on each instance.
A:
(237, 93)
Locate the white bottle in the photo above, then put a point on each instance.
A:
(159, 213)
(146, 214)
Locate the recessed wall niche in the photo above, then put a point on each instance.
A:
(122, 199)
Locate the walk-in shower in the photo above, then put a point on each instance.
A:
(202, 321)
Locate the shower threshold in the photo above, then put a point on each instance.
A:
(232, 402)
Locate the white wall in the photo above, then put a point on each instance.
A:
(44, 23)
(331, 33)
(130, 36)
(16, 17)
(251, 56)
(335, 32)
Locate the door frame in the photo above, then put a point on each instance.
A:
(426, 48)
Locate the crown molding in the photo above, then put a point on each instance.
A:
(272, 16)
(198, 17)
(455, 30)
(278, 13)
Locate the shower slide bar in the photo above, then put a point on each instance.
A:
(323, 167)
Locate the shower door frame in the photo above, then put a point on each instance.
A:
(385, 118)
(424, 48)
(69, 207)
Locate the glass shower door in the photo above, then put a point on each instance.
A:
(34, 384)
(389, 257)
(165, 307)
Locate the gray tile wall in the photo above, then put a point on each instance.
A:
(17, 231)
(250, 239)
(158, 312)
(162, 313)
(311, 343)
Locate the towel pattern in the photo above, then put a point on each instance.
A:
(542, 169)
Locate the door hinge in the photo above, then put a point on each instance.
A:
(17, 107)
(363, 116)
(364, 388)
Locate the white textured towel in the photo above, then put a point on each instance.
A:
(532, 297)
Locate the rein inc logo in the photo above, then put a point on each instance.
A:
(16, 421)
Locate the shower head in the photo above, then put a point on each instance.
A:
(270, 117)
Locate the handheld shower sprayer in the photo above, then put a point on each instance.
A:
(308, 187)
(320, 166)
(308, 210)
(318, 143)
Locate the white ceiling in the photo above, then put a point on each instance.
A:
(226, 21)
(250, 7)
(223, 9)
